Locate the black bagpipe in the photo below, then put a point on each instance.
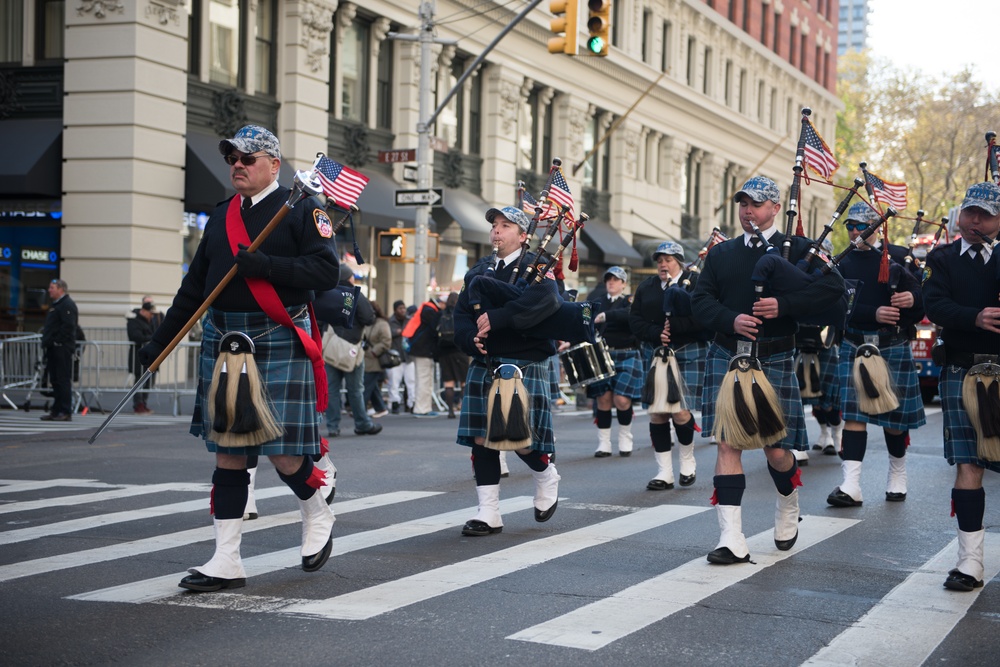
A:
(793, 194)
(571, 321)
(910, 261)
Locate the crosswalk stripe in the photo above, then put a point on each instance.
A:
(86, 523)
(345, 545)
(158, 588)
(600, 623)
(115, 494)
(19, 486)
(381, 599)
(185, 537)
(929, 609)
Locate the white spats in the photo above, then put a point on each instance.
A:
(226, 562)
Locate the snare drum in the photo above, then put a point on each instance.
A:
(587, 363)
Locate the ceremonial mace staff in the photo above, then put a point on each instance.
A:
(305, 184)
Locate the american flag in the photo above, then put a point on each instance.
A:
(893, 194)
(995, 149)
(528, 203)
(818, 156)
(559, 193)
(340, 182)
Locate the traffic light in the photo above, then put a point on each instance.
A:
(599, 27)
(392, 245)
(564, 26)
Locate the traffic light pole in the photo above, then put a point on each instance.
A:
(425, 157)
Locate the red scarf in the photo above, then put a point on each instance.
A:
(269, 301)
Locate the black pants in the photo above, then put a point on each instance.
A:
(60, 368)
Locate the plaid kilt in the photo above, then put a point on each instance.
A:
(472, 422)
(780, 372)
(829, 380)
(899, 359)
(627, 380)
(286, 372)
(959, 435)
(691, 361)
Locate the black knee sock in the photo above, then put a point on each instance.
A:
(602, 418)
(896, 444)
(485, 465)
(833, 417)
(854, 444)
(785, 482)
(537, 461)
(252, 460)
(685, 432)
(625, 416)
(821, 415)
(729, 489)
(449, 397)
(660, 435)
(229, 493)
(298, 480)
(969, 506)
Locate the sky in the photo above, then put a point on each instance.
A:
(938, 37)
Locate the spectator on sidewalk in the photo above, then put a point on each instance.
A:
(453, 361)
(140, 325)
(59, 343)
(353, 381)
(379, 341)
(406, 372)
(423, 350)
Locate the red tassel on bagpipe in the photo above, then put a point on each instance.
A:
(883, 267)
(574, 259)
(799, 231)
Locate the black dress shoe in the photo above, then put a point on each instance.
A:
(542, 516)
(840, 499)
(56, 418)
(601, 455)
(686, 480)
(628, 453)
(959, 581)
(785, 545)
(659, 485)
(477, 528)
(374, 429)
(830, 450)
(895, 496)
(723, 556)
(206, 584)
(818, 447)
(504, 474)
(316, 561)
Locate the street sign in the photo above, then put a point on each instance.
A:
(410, 173)
(400, 155)
(430, 196)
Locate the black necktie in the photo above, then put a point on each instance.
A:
(754, 242)
(500, 265)
(247, 203)
(978, 254)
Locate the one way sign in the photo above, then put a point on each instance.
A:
(432, 196)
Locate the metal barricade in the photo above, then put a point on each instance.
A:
(101, 370)
(21, 364)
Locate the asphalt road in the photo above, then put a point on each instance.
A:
(95, 537)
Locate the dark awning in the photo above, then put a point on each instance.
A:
(602, 238)
(469, 211)
(206, 175)
(32, 164)
(378, 204)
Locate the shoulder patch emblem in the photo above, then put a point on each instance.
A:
(927, 273)
(323, 224)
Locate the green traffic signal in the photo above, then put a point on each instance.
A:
(595, 45)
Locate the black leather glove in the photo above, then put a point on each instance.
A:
(252, 264)
(148, 353)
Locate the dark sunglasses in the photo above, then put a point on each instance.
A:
(857, 226)
(247, 160)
